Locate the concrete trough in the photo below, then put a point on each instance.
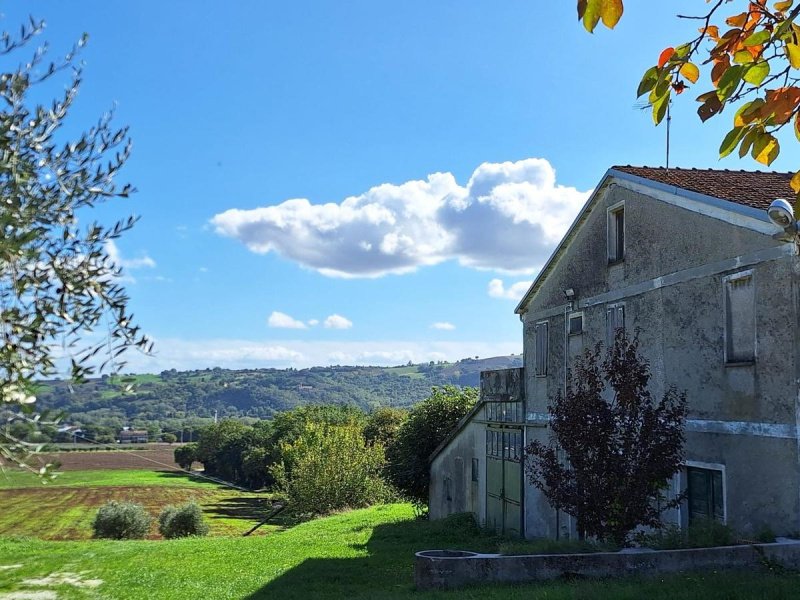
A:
(450, 569)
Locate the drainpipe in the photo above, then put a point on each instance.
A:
(570, 294)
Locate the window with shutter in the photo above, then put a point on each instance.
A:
(740, 325)
(541, 349)
(615, 319)
(616, 233)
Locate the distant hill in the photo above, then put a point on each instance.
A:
(174, 397)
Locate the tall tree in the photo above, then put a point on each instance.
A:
(753, 51)
(60, 292)
(618, 454)
(428, 424)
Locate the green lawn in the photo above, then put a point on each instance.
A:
(360, 554)
(14, 478)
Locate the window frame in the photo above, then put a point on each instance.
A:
(616, 307)
(540, 362)
(615, 238)
(726, 333)
(704, 466)
(575, 315)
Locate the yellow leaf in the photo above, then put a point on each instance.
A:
(766, 151)
(690, 72)
(611, 12)
(793, 52)
(795, 182)
(782, 6)
(592, 11)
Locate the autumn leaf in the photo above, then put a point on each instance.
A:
(795, 183)
(711, 31)
(690, 72)
(793, 54)
(664, 57)
(783, 6)
(592, 11)
(737, 20)
(765, 149)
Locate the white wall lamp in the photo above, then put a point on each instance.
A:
(780, 212)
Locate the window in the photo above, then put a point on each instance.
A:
(541, 349)
(615, 319)
(705, 494)
(740, 318)
(616, 233)
(576, 323)
(475, 469)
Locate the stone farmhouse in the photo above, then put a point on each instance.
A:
(690, 258)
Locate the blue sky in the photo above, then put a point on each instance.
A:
(360, 182)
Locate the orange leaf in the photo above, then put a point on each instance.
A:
(780, 104)
(665, 55)
(711, 31)
(737, 20)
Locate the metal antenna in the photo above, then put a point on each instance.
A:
(669, 119)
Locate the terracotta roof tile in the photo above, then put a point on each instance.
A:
(751, 188)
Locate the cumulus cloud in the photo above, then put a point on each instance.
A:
(313, 322)
(116, 259)
(443, 325)
(283, 321)
(337, 322)
(515, 291)
(508, 217)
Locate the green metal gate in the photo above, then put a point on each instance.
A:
(504, 480)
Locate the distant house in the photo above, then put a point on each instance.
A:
(691, 259)
(132, 436)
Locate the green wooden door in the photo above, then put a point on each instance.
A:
(504, 480)
(704, 494)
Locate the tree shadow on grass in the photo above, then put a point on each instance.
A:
(184, 476)
(385, 572)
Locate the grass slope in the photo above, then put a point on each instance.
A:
(360, 554)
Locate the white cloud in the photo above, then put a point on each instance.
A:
(313, 322)
(337, 322)
(508, 217)
(443, 325)
(172, 353)
(284, 321)
(116, 259)
(516, 291)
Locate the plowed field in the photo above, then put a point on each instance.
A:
(155, 457)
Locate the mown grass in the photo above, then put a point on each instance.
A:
(361, 554)
(15, 478)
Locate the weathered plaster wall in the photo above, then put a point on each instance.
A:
(671, 283)
(452, 489)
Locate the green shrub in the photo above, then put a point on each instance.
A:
(185, 455)
(182, 521)
(121, 521)
(331, 468)
(700, 534)
(765, 535)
